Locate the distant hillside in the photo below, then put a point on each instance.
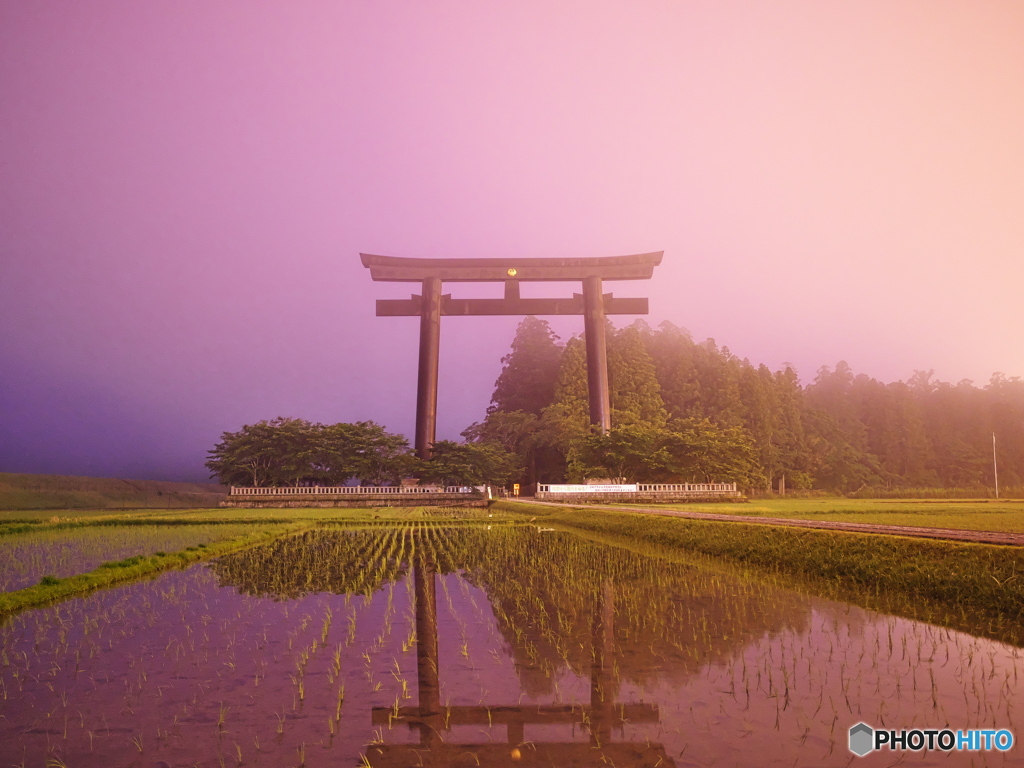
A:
(60, 492)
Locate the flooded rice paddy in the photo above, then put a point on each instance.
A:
(443, 646)
(26, 557)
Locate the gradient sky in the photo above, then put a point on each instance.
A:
(185, 188)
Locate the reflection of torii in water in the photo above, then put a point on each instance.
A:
(431, 719)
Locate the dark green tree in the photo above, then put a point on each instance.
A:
(527, 379)
(566, 422)
(295, 452)
(633, 380)
(366, 451)
(842, 432)
(248, 457)
(469, 464)
(520, 433)
(514, 431)
(627, 454)
(673, 354)
(700, 451)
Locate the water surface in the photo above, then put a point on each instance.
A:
(444, 646)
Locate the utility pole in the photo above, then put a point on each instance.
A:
(995, 467)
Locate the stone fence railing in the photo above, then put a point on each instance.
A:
(671, 488)
(350, 490)
(686, 488)
(645, 491)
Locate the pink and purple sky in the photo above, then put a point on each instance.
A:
(185, 188)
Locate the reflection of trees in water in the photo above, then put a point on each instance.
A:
(670, 619)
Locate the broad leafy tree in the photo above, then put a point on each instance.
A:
(627, 454)
(247, 457)
(296, 452)
(701, 451)
(469, 464)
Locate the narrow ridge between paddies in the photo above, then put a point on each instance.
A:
(51, 589)
(953, 534)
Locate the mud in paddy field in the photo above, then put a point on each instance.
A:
(440, 646)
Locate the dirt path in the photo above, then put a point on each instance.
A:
(979, 537)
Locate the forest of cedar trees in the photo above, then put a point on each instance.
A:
(691, 411)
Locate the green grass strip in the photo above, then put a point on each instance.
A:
(51, 589)
(122, 522)
(1007, 516)
(976, 587)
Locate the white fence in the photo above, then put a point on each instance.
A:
(686, 488)
(667, 489)
(351, 490)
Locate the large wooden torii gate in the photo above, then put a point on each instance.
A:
(431, 304)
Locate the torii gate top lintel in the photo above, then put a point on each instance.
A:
(399, 269)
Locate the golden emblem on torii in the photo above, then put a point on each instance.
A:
(431, 305)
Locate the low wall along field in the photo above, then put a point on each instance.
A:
(640, 493)
(320, 496)
(353, 502)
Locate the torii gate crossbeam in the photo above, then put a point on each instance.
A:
(431, 305)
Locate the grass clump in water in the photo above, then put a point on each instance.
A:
(128, 562)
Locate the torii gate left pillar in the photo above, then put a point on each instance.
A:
(593, 304)
(430, 355)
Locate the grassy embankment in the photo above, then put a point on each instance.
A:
(975, 587)
(1005, 492)
(968, 515)
(41, 492)
(51, 589)
(73, 517)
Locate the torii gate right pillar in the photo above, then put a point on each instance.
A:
(595, 333)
